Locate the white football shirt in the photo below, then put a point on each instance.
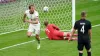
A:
(32, 16)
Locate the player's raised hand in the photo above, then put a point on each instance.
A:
(24, 20)
(24, 17)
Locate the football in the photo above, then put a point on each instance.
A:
(45, 9)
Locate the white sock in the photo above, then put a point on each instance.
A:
(64, 38)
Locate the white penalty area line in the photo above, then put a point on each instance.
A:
(96, 25)
(95, 0)
(19, 44)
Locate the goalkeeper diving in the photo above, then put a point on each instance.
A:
(54, 33)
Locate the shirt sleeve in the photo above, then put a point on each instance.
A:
(26, 11)
(75, 26)
(36, 14)
(55, 27)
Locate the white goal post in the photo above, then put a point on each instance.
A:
(73, 12)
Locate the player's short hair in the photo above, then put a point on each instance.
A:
(83, 13)
(46, 23)
(30, 6)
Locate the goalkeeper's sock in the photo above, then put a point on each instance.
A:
(74, 38)
(75, 35)
(80, 54)
(88, 53)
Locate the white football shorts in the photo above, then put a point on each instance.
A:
(34, 28)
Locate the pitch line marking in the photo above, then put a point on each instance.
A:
(19, 44)
(96, 25)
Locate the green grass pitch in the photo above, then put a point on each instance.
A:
(52, 47)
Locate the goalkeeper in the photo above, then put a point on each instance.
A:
(54, 33)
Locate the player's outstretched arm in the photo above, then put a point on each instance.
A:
(24, 17)
(90, 33)
(56, 27)
(72, 33)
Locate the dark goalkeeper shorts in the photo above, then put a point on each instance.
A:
(81, 45)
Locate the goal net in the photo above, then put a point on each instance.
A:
(61, 13)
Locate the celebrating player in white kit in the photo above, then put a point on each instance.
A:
(33, 16)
